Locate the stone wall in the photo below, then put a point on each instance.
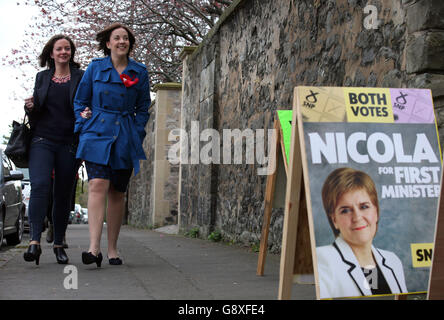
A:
(425, 51)
(196, 195)
(249, 63)
(140, 188)
(152, 199)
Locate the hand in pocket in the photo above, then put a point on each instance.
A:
(86, 114)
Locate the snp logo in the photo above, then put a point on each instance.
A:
(71, 280)
(401, 101)
(310, 100)
(422, 254)
(371, 21)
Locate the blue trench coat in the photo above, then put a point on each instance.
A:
(115, 132)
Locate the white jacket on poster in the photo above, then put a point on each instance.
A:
(340, 274)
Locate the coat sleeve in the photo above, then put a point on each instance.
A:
(83, 98)
(143, 102)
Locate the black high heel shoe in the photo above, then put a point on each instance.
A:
(88, 258)
(115, 261)
(33, 253)
(61, 256)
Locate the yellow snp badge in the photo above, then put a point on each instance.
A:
(421, 254)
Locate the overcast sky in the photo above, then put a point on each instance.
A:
(13, 21)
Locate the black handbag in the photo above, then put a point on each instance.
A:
(17, 148)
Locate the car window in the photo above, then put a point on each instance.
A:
(5, 166)
(25, 172)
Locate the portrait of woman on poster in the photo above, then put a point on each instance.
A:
(352, 266)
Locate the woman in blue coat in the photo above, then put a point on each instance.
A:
(111, 108)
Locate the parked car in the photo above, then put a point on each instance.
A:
(84, 215)
(77, 215)
(71, 217)
(12, 208)
(26, 192)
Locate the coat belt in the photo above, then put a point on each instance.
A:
(123, 113)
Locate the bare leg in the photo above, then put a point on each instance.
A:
(96, 210)
(114, 217)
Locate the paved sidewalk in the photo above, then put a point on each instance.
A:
(156, 266)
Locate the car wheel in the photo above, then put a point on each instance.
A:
(2, 215)
(16, 237)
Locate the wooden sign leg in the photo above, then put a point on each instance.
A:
(292, 200)
(269, 191)
(288, 249)
(269, 194)
(436, 280)
(303, 264)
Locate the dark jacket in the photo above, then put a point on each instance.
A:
(42, 81)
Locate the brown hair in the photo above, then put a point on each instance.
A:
(104, 36)
(45, 57)
(341, 181)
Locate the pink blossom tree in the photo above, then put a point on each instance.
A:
(161, 27)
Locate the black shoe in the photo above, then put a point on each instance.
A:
(50, 233)
(33, 253)
(88, 258)
(115, 261)
(61, 256)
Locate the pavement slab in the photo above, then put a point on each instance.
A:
(157, 266)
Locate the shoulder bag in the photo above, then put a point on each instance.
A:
(18, 145)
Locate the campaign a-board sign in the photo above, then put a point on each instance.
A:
(285, 117)
(372, 168)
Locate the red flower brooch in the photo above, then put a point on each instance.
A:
(127, 81)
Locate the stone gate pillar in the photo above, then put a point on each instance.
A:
(165, 174)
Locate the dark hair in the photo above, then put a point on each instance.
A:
(104, 36)
(45, 57)
(341, 181)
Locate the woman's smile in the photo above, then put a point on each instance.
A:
(360, 228)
